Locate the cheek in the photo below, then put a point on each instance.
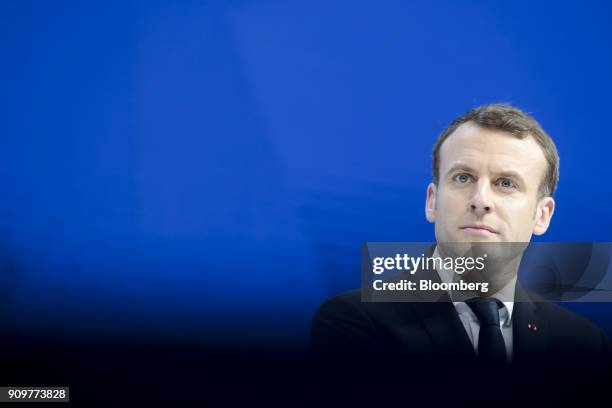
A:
(521, 218)
(528, 211)
(450, 209)
(515, 207)
(451, 201)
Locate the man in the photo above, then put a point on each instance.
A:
(494, 174)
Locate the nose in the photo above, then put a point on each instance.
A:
(481, 202)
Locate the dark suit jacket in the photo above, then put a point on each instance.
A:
(432, 331)
(399, 346)
(419, 352)
(426, 327)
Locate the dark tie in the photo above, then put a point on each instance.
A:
(491, 347)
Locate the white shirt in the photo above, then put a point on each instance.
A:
(469, 319)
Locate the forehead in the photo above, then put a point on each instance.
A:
(492, 150)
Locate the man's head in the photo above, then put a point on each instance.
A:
(494, 173)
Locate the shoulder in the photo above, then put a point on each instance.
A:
(340, 324)
(554, 315)
(345, 321)
(350, 306)
(571, 330)
(345, 301)
(562, 318)
(344, 309)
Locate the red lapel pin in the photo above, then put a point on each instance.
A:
(532, 326)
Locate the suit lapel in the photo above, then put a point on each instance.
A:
(529, 331)
(442, 324)
(440, 320)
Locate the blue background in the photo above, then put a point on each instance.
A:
(208, 169)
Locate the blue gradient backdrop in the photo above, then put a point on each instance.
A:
(209, 169)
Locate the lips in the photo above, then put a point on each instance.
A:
(481, 227)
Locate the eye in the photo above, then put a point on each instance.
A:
(506, 183)
(462, 178)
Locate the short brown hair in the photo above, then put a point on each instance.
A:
(506, 118)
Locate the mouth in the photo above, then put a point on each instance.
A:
(478, 229)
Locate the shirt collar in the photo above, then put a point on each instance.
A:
(507, 292)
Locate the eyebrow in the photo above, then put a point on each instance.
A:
(460, 166)
(505, 173)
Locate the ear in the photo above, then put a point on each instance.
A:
(544, 213)
(430, 203)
